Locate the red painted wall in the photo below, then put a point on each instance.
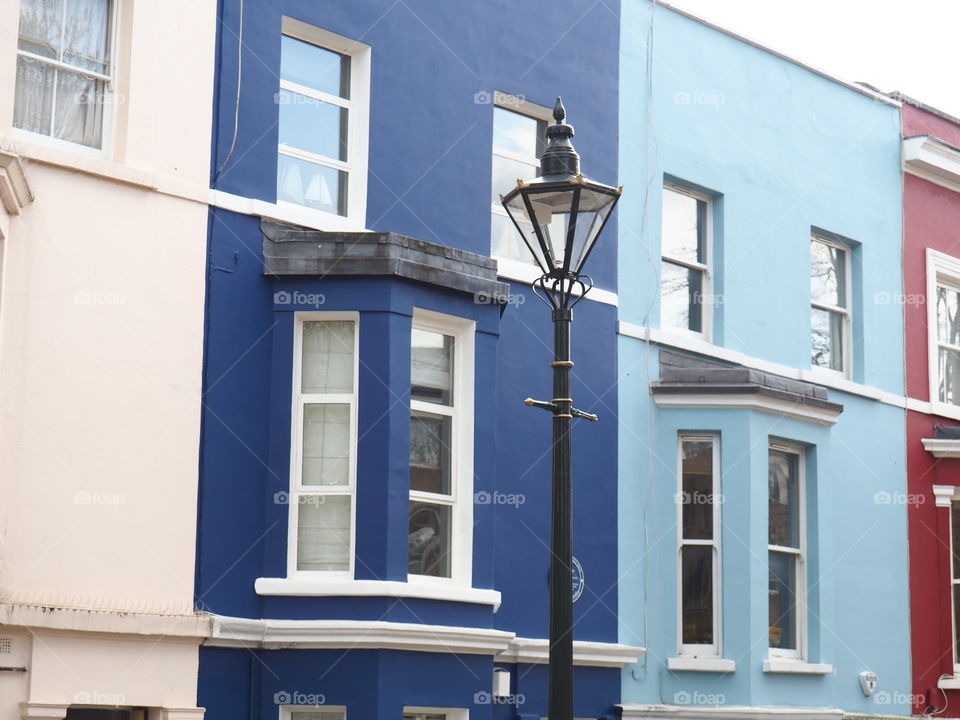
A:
(931, 220)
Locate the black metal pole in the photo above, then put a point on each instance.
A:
(560, 686)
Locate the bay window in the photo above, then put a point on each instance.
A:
(322, 495)
(441, 458)
(786, 551)
(699, 545)
(64, 69)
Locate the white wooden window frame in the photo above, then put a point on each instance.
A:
(954, 582)
(461, 437)
(705, 268)
(109, 106)
(297, 489)
(942, 270)
(800, 653)
(715, 649)
(521, 106)
(448, 713)
(358, 125)
(846, 333)
(286, 711)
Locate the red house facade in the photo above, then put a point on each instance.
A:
(931, 155)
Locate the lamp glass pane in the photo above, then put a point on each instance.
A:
(594, 207)
(518, 212)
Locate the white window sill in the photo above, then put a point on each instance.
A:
(511, 269)
(949, 683)
(796, 667)
(376, 588)
(286, 212)
(701, 664)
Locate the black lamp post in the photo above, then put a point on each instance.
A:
(560, 216)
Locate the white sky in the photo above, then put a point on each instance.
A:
(907, 46)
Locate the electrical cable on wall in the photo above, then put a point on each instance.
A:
(236, 113)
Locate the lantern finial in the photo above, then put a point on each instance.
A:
(559, 111)
(560, 158)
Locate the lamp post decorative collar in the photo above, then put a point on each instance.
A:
(559, 157)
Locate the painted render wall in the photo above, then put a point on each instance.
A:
(101, 340)
(787, 150)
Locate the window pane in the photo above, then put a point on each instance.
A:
(323, 532)
(516, 133)
(40, 24)
(697, 600)
(828, 274)
(85, 36)
(315, 67)
(784, 499)
(326, 444)
(79, 115)
(431, 367)
(949, 376)
(430, 452)
(429, 539)
(313, 125)
(826, 339)
(697, 497)
(33, 103)
(948, 317)
(327, 362)
(783, 601)
(681, 297)
(955, 527)
(314, 186)
(684, 227)
(506, 241)
(506, 171)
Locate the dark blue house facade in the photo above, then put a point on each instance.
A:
(375, 497)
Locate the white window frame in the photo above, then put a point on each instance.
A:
(716, 648)
(846, 334)
(448, 713)
(511, 267)
(286, 711)
(706, 288)
(358, 126)
(297, 489)
(800, 653)
(461, 435)
(942, 269)
(109, 106)
(954, 582)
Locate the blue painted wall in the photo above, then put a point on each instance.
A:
(786, 150)
(429, 177)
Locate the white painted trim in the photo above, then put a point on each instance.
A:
(944, 495)
(706, 289)
(846, 312)
(942, 447)
(284, 212)
(355, 634)
(942, 269)
(585, 653)
(522, 272)
(182, 713)
(949, 683)
(286, 711)
(932, 159)
(747, 401)
(796, 667)
(728, 712)
(694, 345)
(375, 588)
(448, 713)
(701, 664)
(42, 711)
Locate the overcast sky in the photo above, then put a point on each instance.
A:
(907, 46)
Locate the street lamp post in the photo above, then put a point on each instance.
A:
(560, 215)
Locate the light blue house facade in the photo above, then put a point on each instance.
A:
(762, 507)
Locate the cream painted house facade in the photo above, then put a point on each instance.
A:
(105, 116)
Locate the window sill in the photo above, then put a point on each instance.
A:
(796, 667)
(949, 683)
(701, 664)
(528, 272)
(285, 212)
(375, 588)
